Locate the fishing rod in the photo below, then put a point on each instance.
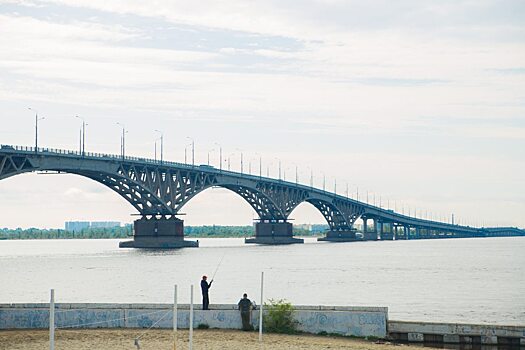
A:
(217, 269)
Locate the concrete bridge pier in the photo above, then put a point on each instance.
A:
(406, 230)
(387, 236)
(339, 236)
(164, 232)
(267, 232)
(369, 235)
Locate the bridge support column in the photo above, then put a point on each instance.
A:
(418, 233)
(339, 236)
(407, 232)
(158, 233)
(388, 236)
(370, 235)
(273, 233)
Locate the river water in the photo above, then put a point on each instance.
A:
(449, 280)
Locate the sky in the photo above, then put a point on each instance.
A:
(420, 104)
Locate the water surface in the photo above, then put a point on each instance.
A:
(451, 280)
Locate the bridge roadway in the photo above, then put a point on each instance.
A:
(159, 189)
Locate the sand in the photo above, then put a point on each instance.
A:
(123, 339)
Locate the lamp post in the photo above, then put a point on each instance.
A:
(260, 166)
(279, 167)
(260, 163)
(161, 146)
(242, 160)
(229, 160)
(192, 151)
(209, 151)
(83, 135)
(311, 177)
(220, 156)
(123, 141)
(36, 127)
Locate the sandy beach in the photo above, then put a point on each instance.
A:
(123, 339)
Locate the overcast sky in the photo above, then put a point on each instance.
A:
(420, 103)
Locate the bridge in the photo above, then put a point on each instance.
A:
(159, 189)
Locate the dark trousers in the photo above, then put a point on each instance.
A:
(246, 324)
(205, 301)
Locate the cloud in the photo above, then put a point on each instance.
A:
(338, 80)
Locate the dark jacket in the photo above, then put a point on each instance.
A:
(245, 304)
(205, 286)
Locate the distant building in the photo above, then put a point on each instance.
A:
(77, 226)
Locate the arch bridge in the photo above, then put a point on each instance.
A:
(158, 190)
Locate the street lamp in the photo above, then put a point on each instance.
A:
(36, 127)
(123, 141)
(211, 150)
(192, 151)
(311, 177)
(279, 167)
(242, 164)
(161, 146)
(83, 135)
(229, 159)
(220, 156)
(260, 164)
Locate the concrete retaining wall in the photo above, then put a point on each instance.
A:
(456, 333)
(356, 321)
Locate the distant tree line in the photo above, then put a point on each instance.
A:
(231, 231)
(127, 231)
(36, 233)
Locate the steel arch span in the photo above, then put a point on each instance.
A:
(160, 188)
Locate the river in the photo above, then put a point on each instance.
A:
(477, 280)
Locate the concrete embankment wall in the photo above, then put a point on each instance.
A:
(456, 333)
(356, 321)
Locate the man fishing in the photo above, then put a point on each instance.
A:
(246, 306)
(205, 287)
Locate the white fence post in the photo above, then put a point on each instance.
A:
(191, 318)
(52, 321)
(261, 308)
(175, 318)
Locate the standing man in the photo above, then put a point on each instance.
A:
(205, 286)
(246, 306)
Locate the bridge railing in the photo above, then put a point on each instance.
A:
(58, 151)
